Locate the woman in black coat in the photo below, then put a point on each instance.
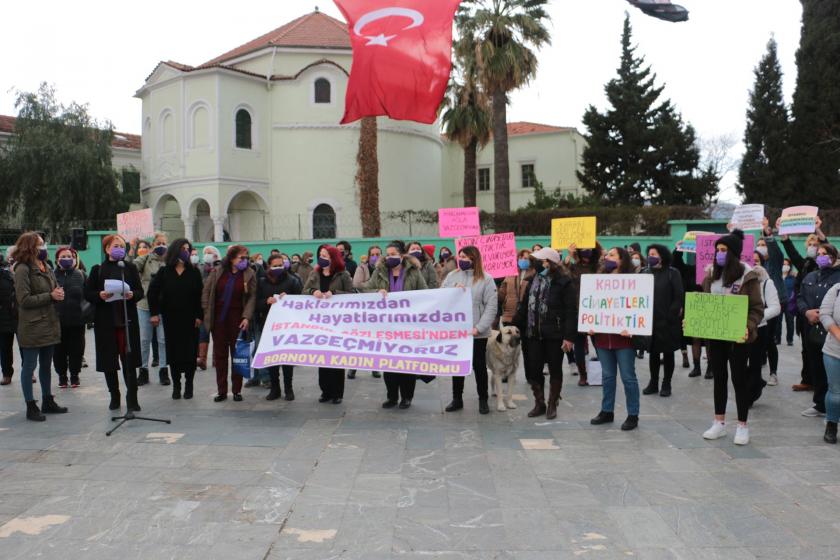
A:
(8, 321)
(668, 302)
(110, 322)
(68, 353)
(175, 297)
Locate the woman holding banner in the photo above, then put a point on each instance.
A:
(617, 354)
(329, 278)
(470, 274)
(547, 317)
(729, 276)
(397, 272)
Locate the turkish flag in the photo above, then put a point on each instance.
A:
(401, 57)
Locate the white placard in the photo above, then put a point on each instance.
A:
(748, 217)
(614, 303)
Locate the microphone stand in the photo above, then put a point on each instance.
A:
(130, 379)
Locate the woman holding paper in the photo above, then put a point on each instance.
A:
(105, 290)
(397, 272)
(616, 354)
(329, 278)
(729, 276)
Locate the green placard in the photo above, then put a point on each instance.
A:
(716, 317)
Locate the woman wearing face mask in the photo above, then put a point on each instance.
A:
(8, 317)
(446, 264)
(278, 282)
(729, 276)
(148, 265)
(764, 347)
(668, 302)
(175, 299)
(812, 291)
(139, 248)
(580, 262)
(258, 264)
(363, 274)
(329, 278)
(210, 259)
(513, 288)
(771, 255)
(228, 300)
(39, 329)
(637, 261)
(485, 303)
(397, 272)
(113, 332)
(195, 259)
(789, 277)
(427, 266)
(547, 319)
(616, 354)
(68, 353)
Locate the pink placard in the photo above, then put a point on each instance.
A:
(498, 252)
(458, 222)
(136, 224)
(706, 253)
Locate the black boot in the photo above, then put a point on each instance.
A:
(696, 371)
(130, 378)
(143, 377)
(62, 381)
(539, 401)
(33, 413)
(376, 374)
(631, 423)
(176, 385)
(830, 432)
(287, 384)
(114, 388)
(686, 365)
(554, 389)
(456, 404)
(709, 374)
(652, 387)
(603, 418)
(163, 374)
(351, 374)
(666, 387)
(274, 393)
(189, 376)
(483, 407)
(49, 406)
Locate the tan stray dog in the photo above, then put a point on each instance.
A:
(504, 347)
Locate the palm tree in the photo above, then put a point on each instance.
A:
(367, 177)
(504, 33)
(467, 118)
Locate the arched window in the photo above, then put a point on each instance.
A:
(323, 91)
(243, 129)
(167, 133)
(323, 222)
(200, 128)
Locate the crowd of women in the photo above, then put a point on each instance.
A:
(185, 299)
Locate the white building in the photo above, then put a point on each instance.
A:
(249, 144)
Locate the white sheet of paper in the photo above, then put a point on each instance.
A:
(115, 288)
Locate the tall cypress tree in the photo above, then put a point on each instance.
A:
(815, 133)
(640, 151)
(764, 176)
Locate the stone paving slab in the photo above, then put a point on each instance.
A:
(302, 480)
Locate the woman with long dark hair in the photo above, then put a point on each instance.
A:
(729, 276)
(114, 332)
(68, 353)
(228, 300)
(580, 262)
(427, 265)
(39, 329)
(329, 278)
(175, 299)
(763, 347)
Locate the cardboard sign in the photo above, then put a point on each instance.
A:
(136, 224)
(580, 231)
(614, 303)
(706, 253)
(427, 332)
(498, 253)
(458, 222)
(716, 317)
(688, 244)
(748, 217)
(798, 219)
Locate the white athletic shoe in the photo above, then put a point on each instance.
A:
(573, 369)
(773, 381)
(742, 435)
(812, 412)
(717, 431)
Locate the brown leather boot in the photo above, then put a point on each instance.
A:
(583, 379)
(539, 401)
(553, 397)
(201, 361)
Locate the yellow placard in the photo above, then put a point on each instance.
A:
(580, 231)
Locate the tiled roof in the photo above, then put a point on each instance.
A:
(522, 128)
(121, 139)
(315, 30)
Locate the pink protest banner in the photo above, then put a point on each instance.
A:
(136, 224)
(498, 252)
(458, 222)
(706, 253)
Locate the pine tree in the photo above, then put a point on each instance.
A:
(815, 132)
(763, 174)
(640, 151)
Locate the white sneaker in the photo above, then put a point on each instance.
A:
(717, 431)
(742, 435)
(812, 412)
(573, 369)
(773, 381)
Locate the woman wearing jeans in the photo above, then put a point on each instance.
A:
(830, 319)
(39, 329)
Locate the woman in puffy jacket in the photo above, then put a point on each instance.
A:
(68, 353)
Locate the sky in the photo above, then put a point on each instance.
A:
(99, 53)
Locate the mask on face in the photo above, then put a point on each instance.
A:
(393, 262)
(209, 258)
(585, 254)
(444, 256)
(654, 261)
(465, 265)
(142, 252)
(785, 268)
(544, 272)
(259, 262)
(720, 258)
(323, 263)
(811, 251)
(761, 250)
(160, 250)
(637, 263)
(823, 261)
(610, 266)
(524, 264)
(42, 253)
(184, 256)
(66, 263)
(416, 254)
(373, 259)
(287, 265)
(277, 272)
(194, 259)
(117, 253)
(242, 264)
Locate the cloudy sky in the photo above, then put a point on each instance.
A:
(99, 52)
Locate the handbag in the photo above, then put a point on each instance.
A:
(242, 355)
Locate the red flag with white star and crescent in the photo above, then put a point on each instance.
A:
(401, 57)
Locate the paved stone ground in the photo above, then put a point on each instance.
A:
(258, 480)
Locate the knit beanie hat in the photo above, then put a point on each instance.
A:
(734, 242)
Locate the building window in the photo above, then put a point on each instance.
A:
(323, 222)
(243, 129)
(529, 177)
(323, 91)
(483, 179)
